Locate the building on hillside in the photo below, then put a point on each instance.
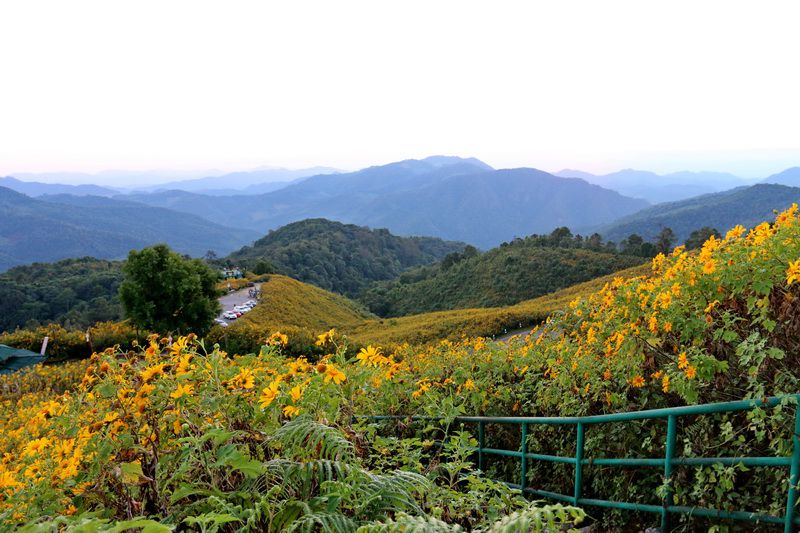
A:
(12, 359)
(228, 273)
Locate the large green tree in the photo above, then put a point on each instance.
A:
(166, 293)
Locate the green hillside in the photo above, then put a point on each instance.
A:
(343, 258)
(72, 292)
(63, 226)
(516, 271)
(747, 206)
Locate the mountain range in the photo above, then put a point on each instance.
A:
(656, 188)
(747, 206)
(447, 197)
(36, 188)
(55, 227)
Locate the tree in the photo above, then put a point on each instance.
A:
(264, 267)
(699, 236)
(210, 256)
(665, 240)
(165, 293)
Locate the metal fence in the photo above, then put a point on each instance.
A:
(788, 519)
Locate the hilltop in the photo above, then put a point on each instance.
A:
(62, 226)
(515, 271)
(343, 258)
(747, 206)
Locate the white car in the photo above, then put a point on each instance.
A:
(241, 308)
(230, 315)
(221, 322)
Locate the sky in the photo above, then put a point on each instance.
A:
(597, 86)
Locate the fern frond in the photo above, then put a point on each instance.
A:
(304, 438)
(538, 519)
(395, 491)
(404, 523)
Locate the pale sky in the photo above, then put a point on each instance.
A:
(594, 85)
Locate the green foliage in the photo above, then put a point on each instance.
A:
(343, 258)
(165, 292)
(515, 271)
(75, 293)
(699, 236)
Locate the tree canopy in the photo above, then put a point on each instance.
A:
(167, 293)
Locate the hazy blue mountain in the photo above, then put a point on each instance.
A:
(657, 188)
(253, 181)
(790, 177)
(61, 226)
(447, 197)
(35, 188)
(744, 205)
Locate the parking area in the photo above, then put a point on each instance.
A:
(236, 299)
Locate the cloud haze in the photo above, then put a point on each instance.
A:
(593, 85)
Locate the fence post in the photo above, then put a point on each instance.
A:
(579, 461)
(669, 454)
(481, 444)
(794, 472)
(524, 449)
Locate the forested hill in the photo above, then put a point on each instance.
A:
(59, 227)
(515, 271)
(343, 258)
(72, 292)
(747, 206)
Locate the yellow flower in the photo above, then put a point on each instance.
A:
(243, 380)
(637, 381)
(269, 393)
(325, 338)
(372, 356)
(334, 374)
(793, 272)
(683, 362)
(665, 384)
(278, 339)
(297, 392)
(152, 372)
(709, 267)
(291, 410)
(178, 346)
(469, 384)
(690, 372)
(182, 390)
(736, 232)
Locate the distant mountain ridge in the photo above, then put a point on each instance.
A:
(343, 258)
(35, 188)
(448, 197)
(747, 206)
(657, 188)
(789, 177)
(59, 227)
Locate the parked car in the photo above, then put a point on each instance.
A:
(221, 322)
(230, 315)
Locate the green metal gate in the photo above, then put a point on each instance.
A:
(789, 519)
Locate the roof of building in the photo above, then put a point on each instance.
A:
(12, 359)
